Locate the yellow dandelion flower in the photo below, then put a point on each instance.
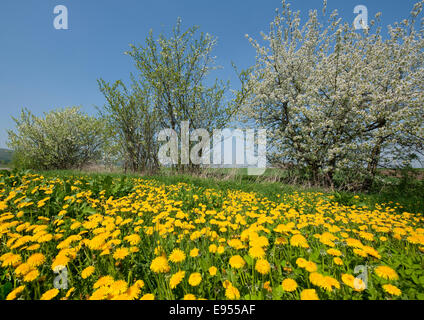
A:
(195, 279)
(148, 296)
(267, 286)
(391, 289)
(118, 287)
(160, 265)
(289, 285)
(237, 262)
(213, 248)
(212, 271)
(23, 269)
(177, 256)
(262, 266)
(32, 275)
(194, 253)
(338, 261)
(121, 253)
(334, 252)
(100, 294)
(301, 263)
(48, 295)
(311, 266)
(60, 262)
(232, 293)
(11, 260)
(13, 294)
(36, 260)
(176, 279)
(309, 294)
(386, 272)
(103, 282)
(226, 284)
(299, 241)
(69, 292)
(87, 272)
(257, 252)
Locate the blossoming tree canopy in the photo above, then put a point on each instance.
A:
(338, 99)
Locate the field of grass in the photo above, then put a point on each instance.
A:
(110, 236)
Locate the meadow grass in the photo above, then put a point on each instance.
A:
(183, 237)
(403, 192)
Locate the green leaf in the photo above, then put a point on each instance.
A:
(5, 289)
(248, 260)
(277, 293)
(420, 296)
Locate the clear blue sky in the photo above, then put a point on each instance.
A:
(42, 68)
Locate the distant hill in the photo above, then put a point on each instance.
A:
(5, 156)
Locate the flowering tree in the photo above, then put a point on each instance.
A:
(131, 124)
(335, 99)
(176, 69)
(62, 139)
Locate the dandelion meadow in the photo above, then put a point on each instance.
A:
(139, 239)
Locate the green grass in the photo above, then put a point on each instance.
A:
(409, 194)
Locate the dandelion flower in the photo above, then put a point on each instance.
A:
(103, 282)
(212, 271)
(237, 262)
(232, 293)
(226, 284)
(177, 256)
(120, 253)
(195, 279)
(257, 252)
(213, 248)
(160, 265)
(11, 260)
(118, 287)
(36, 259)
(289, 285)
(301, 263)
(309, 294)
(176, 279)
(31, 276)
(48, 295)
(194, 253)
(262, 266)
(299, 241)
(386, 273)
(12, 295)
(311, 266)
(23, 269)
(393, 290)
(69, 292)
(148, 296)
(87, 272)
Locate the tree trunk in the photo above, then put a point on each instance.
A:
(372, 166)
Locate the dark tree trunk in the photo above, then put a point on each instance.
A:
(372, 166)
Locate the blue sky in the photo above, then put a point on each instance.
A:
(42, 68)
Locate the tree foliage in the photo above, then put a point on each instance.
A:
(176, 68)
(170, 86)
(62, 139)
(336, 99)
(131, 124)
